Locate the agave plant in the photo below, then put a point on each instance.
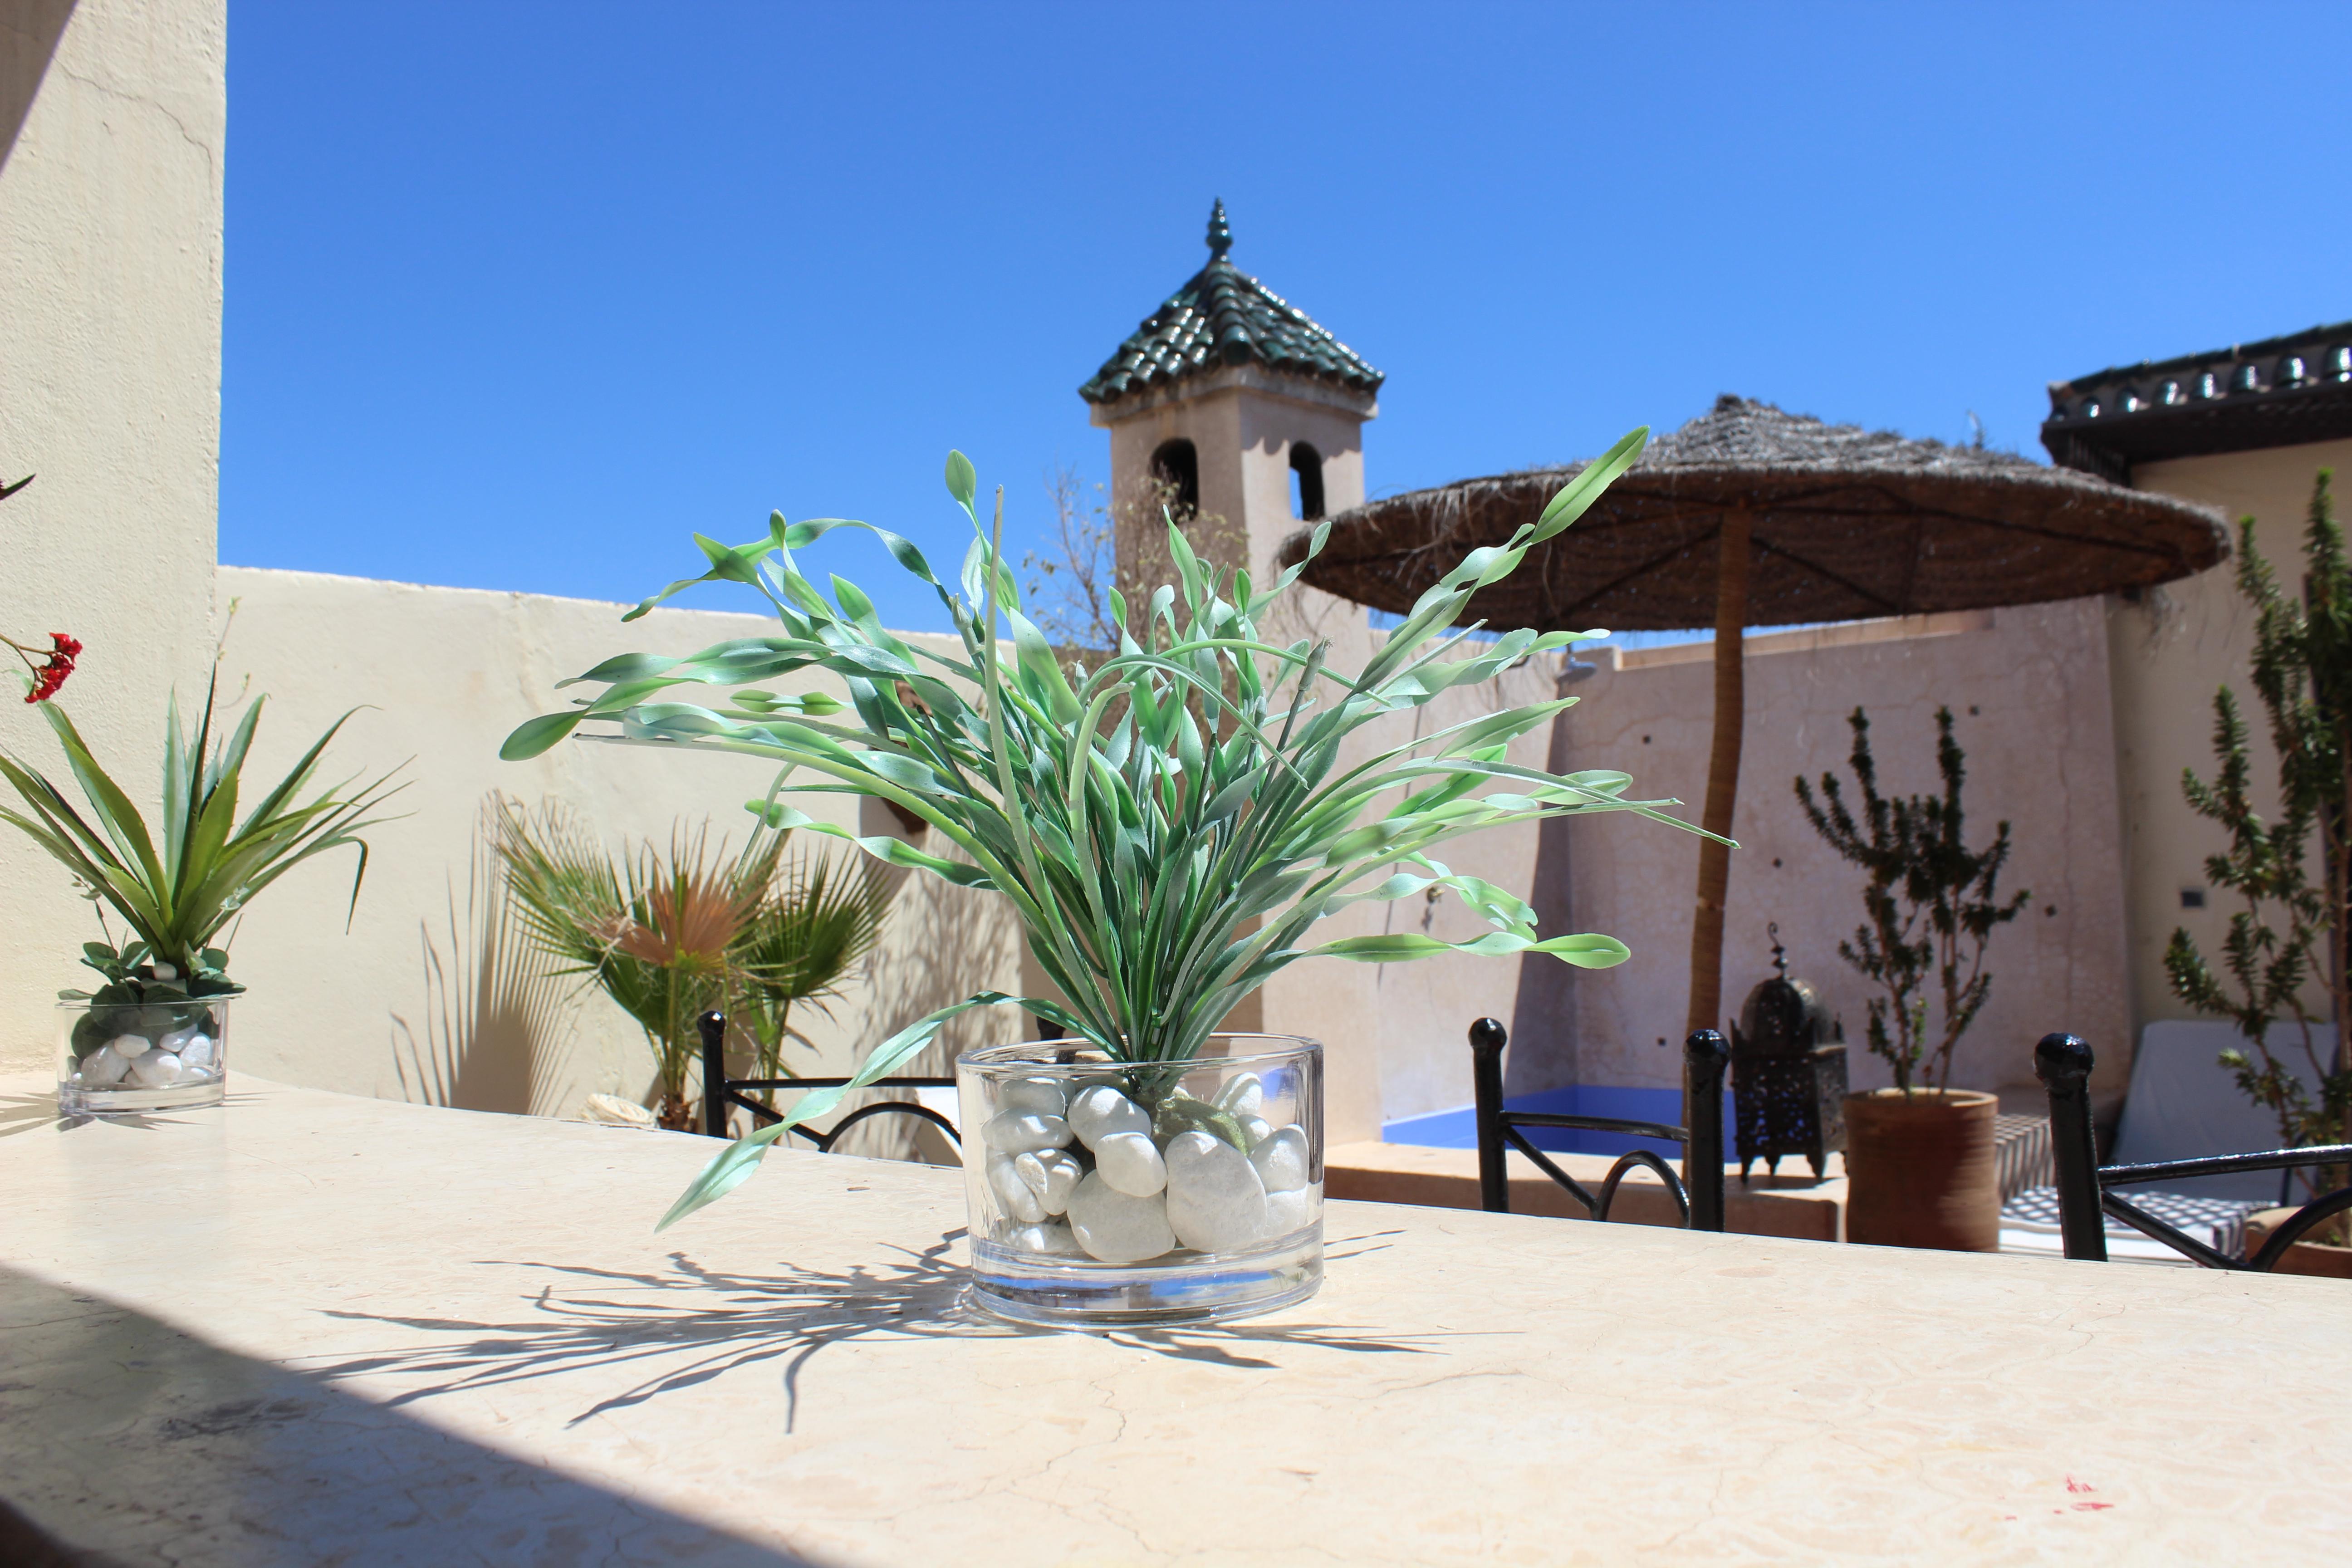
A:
(177, 892)
(1170, 825)
(668, 937)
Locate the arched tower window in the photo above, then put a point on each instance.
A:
(1306, 482)
(1176, 466)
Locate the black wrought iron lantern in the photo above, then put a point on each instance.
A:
(1788, 1072)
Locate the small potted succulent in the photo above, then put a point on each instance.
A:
(154, 1036)
(1168, 825)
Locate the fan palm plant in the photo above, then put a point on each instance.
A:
(671, 936)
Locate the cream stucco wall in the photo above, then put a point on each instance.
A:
(444, 675)
(109, 346)
(2039, 754)
(2169, 653)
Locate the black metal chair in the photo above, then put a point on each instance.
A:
(1704, 1057)
(2063, 1062)
(720, 1092)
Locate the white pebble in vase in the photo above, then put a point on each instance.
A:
(1103, 1112)
(1041, 1094)
(1130, 1162)
(1023, 1131)
(1291, 1211)
(1241, 1095)
(156, 1069)
(1012, 1193)
(1052, 1175)
(1215, 1202)
(196, 1055)
(1115, 1228)
(103, 1067)
(1052, 1238)
(1280, 1160)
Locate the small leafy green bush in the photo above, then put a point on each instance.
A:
(1170, 825)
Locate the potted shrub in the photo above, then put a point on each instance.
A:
(154, 1036)
(1919, 1161)
(1168, 825)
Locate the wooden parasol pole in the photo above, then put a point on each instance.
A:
(1722, 771)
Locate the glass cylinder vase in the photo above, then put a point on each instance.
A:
(125, 1057)
(1104, 1193)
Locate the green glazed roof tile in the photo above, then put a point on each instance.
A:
(1223, 316)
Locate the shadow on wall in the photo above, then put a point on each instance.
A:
(1543, 1013)
(945, 944)
(28, 40)
(494, 1030)
(242, 1460)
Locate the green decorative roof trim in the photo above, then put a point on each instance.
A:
(1224, 317)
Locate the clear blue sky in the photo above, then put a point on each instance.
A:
(520, 295)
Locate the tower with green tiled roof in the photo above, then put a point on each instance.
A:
(1252, 411)
(1241, 403)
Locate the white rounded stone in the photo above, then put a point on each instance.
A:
(196, 1054)
(1052, 1174)
(1020, 1131)
(156, 1069)
(1115, 1228)
(1012, 1193)
(1130, 1162)
(1255, 1129)
(1215, 1202)
(1241, 1095)
(176, 1042)
(1041, 1094)
(1052, 1238)
(103, 1067)
(1280, 1160)
(1103, 1112)
(130, 1048)
(1291, 1211)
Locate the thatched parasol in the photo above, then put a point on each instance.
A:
(1751, 517)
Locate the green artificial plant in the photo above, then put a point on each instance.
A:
(1168, 825)
(177, 889)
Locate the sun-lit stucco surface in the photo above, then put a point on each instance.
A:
(111, 253)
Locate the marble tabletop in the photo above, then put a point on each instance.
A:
(306, 1328)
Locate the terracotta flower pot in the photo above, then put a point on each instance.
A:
(1920, 1171)
(2303, 1257)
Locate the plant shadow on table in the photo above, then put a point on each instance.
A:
(138, 1445)
(31, 1112)
(688, 1324)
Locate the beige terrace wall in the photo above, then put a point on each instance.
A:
(447, 673)
(2169, 652)
(110, 390)
(2039, 749)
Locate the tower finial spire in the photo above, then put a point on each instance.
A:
(1220, 234)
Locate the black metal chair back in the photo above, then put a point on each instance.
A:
(2063, 1062)
(720, 1092)
(1704, 1056)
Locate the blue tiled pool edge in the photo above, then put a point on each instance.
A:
(1459, 1129)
